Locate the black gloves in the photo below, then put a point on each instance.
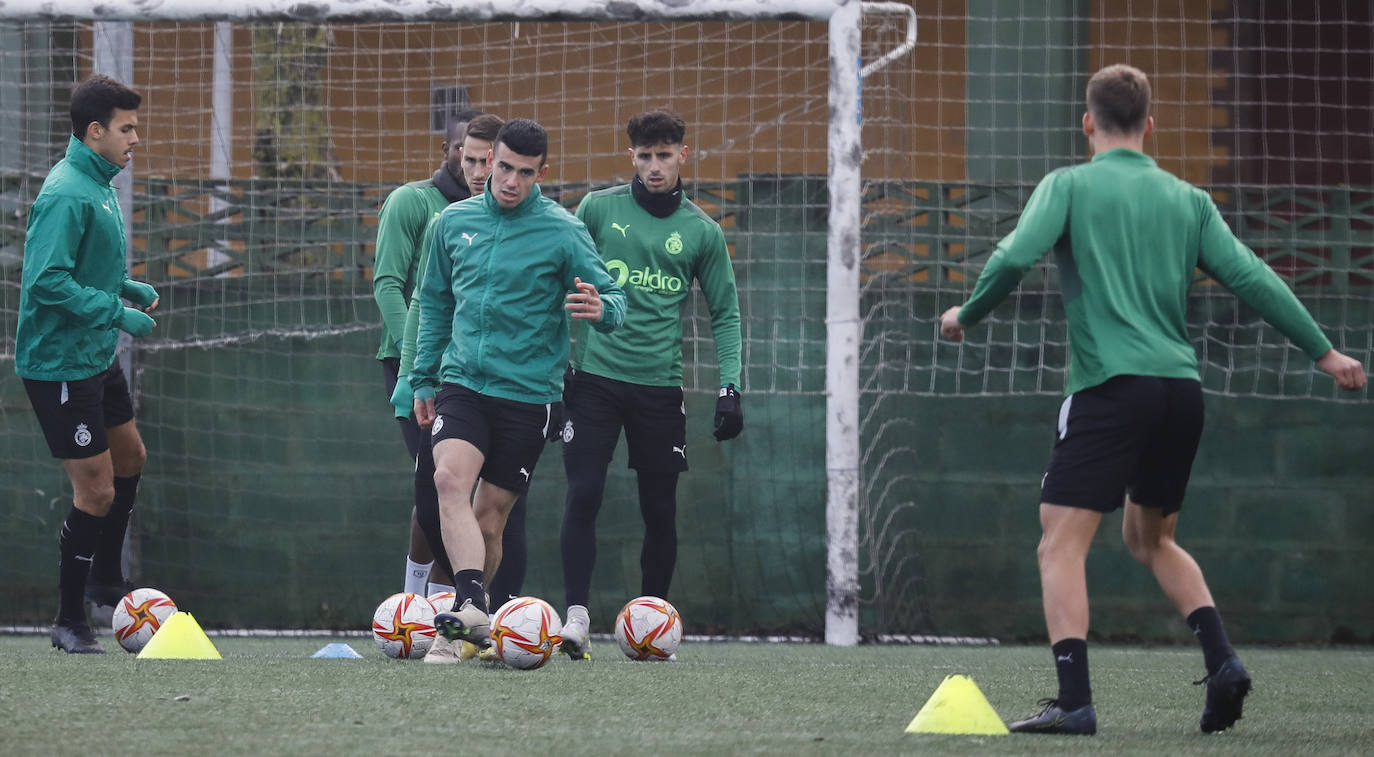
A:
(729, 416)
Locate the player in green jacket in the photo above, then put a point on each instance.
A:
(70, 316)
(400, 223)
(656, 243)
(1127, 237)
(493, 343)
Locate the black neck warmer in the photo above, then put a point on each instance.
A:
(452, 189)
(658, 205)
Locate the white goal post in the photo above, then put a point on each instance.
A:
(844, 328)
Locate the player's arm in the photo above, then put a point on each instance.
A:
(1225, 258)
(1043, 221)
(403, 396)
(594, 296)
(435, 326)
(56, 226)
(397, 222)
(717, 280)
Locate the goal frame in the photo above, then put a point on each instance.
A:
(844, 328)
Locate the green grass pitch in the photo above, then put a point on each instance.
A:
(267, 696)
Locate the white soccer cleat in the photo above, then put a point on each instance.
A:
(466, 623)
(441, 652)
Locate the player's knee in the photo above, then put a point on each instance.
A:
(447, 484)
(130, 460)
(1143, 549)
(94, 496)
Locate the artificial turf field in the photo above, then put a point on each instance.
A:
(267, 696)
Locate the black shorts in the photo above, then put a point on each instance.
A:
(653, 417)
(509, 434)
(410, 429)
(75, 414)
(1133, 435)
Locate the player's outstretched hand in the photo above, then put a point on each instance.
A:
(585, 302)
(402, 398)
(950, 327)
(1346, 370)
(141, 294)
(729, 414)
(135, 322)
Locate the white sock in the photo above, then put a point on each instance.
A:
(577, 615)
(417, 574)
(434, 588)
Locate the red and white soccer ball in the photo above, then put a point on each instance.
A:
(648, 628)
(403, 626)
(138, 615)
(526, 632)
(442, 601)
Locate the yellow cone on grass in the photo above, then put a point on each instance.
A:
(180, 638)
(957, 706)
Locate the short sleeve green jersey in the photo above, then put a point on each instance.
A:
(655, 260)
(1127, 237)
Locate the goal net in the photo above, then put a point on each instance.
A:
(277, 488)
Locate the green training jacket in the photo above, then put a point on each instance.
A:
(74, 269)
(400, 223)
(491, 303)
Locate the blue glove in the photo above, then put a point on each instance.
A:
(134, 321)
(403, 398)
(729, 416)
(141, 294)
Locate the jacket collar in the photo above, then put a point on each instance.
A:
(90, 162)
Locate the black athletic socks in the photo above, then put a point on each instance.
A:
(658, 556)
(1071, 663)
(107, 566)
(468, 585)
(1207, 627)
(76, 544)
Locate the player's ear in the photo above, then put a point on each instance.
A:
(98, 130)
(1088, 126)
(1149, 126)
(543, 171)
(682, 158)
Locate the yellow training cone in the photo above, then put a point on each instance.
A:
(180, 638)
(957, 706)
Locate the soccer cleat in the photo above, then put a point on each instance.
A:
(107, 594)
(1053, 719)
(1226, 690)
(576, 642)
(441, 652)
(466, 650)
(467, 623)
(75, 638)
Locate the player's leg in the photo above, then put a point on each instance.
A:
(107, 583)
(426, 512)
(510, 576)
(1148, 530)
(593, 412)
(518, 433)
(1099, 434)
(656, 435)
(70, 414)
(419, 558)
(461, 438)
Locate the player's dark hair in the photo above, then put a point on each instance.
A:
(96, 99)
(656, 127)
(485, 127)
(525, 137)
(1119, 99)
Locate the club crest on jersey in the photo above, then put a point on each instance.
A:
(438, 424)
(82, 437)
(674, 244)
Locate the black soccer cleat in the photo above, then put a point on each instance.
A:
(107, 594)
(1054, 719)
(1226, 690)
(75, 638)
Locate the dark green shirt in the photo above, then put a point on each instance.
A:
(74, 270)
(1127, 236)
(400, 224)
(655, 260)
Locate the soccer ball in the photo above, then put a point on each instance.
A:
(138, 616)
(403, 626)
(443, 600)
(648, 628)
(525, 632)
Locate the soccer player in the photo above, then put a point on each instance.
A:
(659, 243)
(493, 341)
(70, 316)
(1127, 237)
(400, 224)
